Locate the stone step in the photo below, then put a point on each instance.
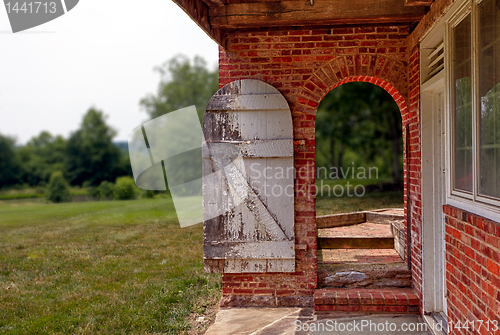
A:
(355, 242)
(403, 301)
(361, 275)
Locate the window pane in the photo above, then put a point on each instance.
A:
(462, 74)
(489, 92)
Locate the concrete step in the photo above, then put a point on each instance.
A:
(403, 301)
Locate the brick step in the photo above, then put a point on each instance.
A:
(370, 256)
(366, 235)
(355, 242)
(403, 300)
(365, 229)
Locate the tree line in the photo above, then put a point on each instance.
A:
(88, 157)
(356, 123)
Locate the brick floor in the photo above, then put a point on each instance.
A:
(397, 300)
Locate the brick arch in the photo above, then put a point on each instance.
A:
(389, 75)
(385, 72)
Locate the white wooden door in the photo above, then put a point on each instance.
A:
(248, 191)
(433, 197)
(440, 171)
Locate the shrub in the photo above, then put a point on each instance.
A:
(106, 190)
(58, 188)
(125, 188)
(40, 190)
(94, 192)
(148, 194)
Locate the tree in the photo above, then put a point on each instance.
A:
(182, 83)
(58, 188)
(364, 120)
(42, 155)
(10, 164)
(339, 122)
(90, 153)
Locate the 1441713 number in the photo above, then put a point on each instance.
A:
(31, 7)
(475, 325)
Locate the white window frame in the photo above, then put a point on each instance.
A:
(473, 202)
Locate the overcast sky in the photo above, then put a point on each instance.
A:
(101, 54)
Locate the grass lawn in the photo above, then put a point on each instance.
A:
(345, 204)
(114, 267)
(334, 202)
(108, 267)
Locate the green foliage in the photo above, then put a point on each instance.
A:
(123, 168)
(10, 164)
(370, 201)
(18, 192)
(106, 190)
(58, 188)
(463, 115)
(94, 192)
(125, 188)
(42, 155)
(90, 153)
(360, 123)
(490, 142)
(148, 194)
(183, 83)
(20, 196)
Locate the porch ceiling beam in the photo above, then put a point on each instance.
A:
(418, 2)
(197, 10)
(322, 12)
(214, 3)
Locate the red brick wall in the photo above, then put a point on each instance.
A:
(415, 171)
(472, 243)
(472, 269)
(304, 65)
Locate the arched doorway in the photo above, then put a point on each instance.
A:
(360, 192)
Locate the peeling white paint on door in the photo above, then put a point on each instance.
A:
(249, 141)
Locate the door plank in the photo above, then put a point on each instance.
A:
(257, 148)
(250, 250)
(247, 102)
(252, 201)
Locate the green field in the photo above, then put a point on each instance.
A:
(344, 198)
(108, 267)
(113, 267)
(345, 204)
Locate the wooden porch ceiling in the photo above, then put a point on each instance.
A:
(216, 16)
